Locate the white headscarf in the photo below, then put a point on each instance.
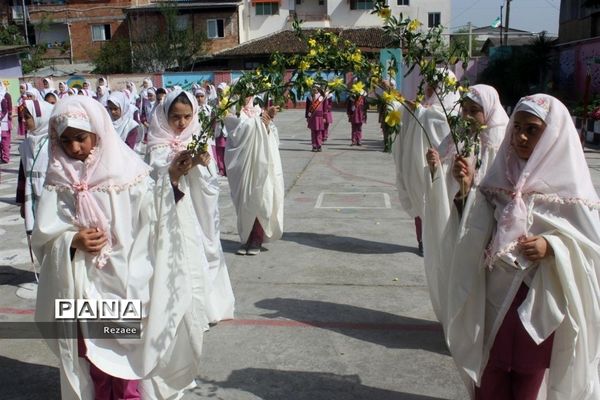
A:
(556, 172)
(125, 123)
(161, 134)
(30, 90)
(65, 92)
(133, 91)
(34, 156)
(111, 167)
(102, 94)
(2, 91)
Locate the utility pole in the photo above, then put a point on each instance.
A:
(25, 21)
(501, 26)
(507, 17)
(470, 40)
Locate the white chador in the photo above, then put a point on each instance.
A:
(254, 172)
(440, 216)
(411, 145)
(551, 195)
(201, 202)
(145, 257)
(34, 158)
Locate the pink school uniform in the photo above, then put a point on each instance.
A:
(315, 117)
(357, 116)
(328, 116)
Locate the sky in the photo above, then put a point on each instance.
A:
(528, 15)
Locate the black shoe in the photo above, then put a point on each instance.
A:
(314, 150)
(358, 144)
(319, 149)
(421, 249)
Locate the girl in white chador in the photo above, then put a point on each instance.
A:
(171, 129)
(105, 230)
(255, 176)
(34, 158)
(482, 104)
(531, 299)
(410, 147)
(122, 114)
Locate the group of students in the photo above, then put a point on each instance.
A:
(106, 223)
(511, 241)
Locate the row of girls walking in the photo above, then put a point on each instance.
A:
(104, 224)
(511, 242)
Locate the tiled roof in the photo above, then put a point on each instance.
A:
(286, 42)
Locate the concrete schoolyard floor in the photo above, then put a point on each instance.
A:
(336, 309)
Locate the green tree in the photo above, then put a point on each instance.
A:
(172, 47)
(459, 40)
(114, 57)
(12, 35)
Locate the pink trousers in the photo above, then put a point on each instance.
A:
(316, 138)
(108, 387)
(356, 133)
(5, 146)
(257, 235)
(517, 364)
(219, 153)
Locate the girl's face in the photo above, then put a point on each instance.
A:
(22, 89)
(29, 121)
(77, 143)
(30, 97)
(61, 86)
(51, 99)
(46, 84)
(114, 111)
(470, 109)
(527, 129)
(201, 98)
(151, 97)
(86, 85)
(180, 116)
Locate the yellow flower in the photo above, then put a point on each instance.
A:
(358, 88)
(312, 42)
(413, 25)
(356, 57)
(482, 127)
(393, 118)
(337, 82)
(450, 80)
(304, 65)
(321, 49)
(385, 12)
(226, 91)
(309, 81)
(334, 39)
(224, 102)
(312, 53)
(393, 95)
(268, 85)
(463, 89)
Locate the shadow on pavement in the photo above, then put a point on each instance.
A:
(345, 244)
(269, 384)
(382, 328)
(14, 276)
(23, 381)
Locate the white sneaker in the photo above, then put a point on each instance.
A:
(253, 250)
(242, 251)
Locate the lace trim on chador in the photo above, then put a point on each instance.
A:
(490, 259)
(101, 188)
(546, 198)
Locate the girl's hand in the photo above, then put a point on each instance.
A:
(266, 119)
(433, 158)
(464, 173)
(534, 248)
(181, 165)
(202, 159)
(272, 111)
(89, 239)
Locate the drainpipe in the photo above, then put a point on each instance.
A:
(70, 42)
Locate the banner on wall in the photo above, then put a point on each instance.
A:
(186, 80)
(389, 58)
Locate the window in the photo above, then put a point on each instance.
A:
(182, 22)
(435, 19)
(298, 2)
(321, 2)
(100, 32)
(403, 2)
(267, 8)
(216, 28)
(361, 4)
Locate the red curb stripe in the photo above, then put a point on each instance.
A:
(16, 311)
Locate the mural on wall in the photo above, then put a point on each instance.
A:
(186, 80)
(12, 87)
(76, 82)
